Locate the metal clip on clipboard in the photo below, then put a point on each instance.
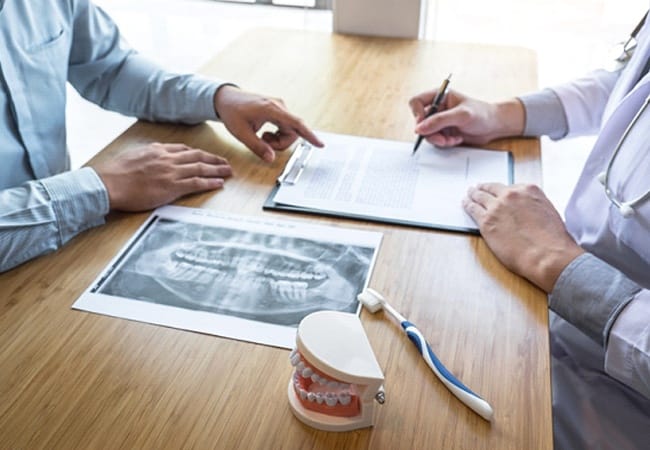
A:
(296, 164)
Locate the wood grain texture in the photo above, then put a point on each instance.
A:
(70, 379)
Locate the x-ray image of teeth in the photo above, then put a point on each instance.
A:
(264, 277)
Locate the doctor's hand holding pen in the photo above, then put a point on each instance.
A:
(519, 223)
(464, 120)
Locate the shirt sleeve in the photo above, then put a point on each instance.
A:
(613, 311)
(40, 216)
(104, 69)
(544, 115)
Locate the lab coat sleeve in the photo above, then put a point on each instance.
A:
(40, 216)
(571, 109)
(584, 101)
(628, 350)
(105, 70)
(613, 311)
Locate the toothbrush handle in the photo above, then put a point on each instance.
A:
(472, 400)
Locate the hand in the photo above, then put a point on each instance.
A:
(523, 229)
(157, 174)
(244, 113)
(465, 120)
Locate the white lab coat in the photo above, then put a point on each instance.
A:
(602, 398)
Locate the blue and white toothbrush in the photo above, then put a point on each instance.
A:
(374, 301)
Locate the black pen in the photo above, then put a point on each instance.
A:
(435, 105)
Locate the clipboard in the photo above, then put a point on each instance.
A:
(296, 164)
(304, 166)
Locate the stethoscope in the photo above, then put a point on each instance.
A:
(626, 208)
(627, 48)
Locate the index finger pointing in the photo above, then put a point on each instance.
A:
(289, 124)
(296, 126)
(309, 135)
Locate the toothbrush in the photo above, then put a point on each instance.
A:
(373, 301)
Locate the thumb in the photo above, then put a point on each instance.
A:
(248, 137)
(260, 148)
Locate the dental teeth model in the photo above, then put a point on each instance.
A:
(337, 378)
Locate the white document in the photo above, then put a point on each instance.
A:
(380, 179)
(245, 278)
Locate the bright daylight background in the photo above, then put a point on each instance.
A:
(570, 37)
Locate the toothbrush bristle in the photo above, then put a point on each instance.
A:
(371, 300)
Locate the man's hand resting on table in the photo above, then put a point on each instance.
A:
(157, 174)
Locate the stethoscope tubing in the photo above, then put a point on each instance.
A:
(625, 207)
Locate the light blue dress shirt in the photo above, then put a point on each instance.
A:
(43, 45)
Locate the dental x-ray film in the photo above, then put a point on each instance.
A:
(241, 277)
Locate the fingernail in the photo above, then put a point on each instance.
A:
(269, 156)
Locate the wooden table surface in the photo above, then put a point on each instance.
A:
(70, 379)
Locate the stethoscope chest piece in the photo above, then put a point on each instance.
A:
(624, 208)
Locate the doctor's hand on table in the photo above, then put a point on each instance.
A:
(518, 222)
(244, 113)
(523, 230)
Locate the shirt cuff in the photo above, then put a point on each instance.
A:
(79, 199)
(590, 294)
(545, 115)
(203, 90)
(214, 104)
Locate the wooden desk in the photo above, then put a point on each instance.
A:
(70, 379)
